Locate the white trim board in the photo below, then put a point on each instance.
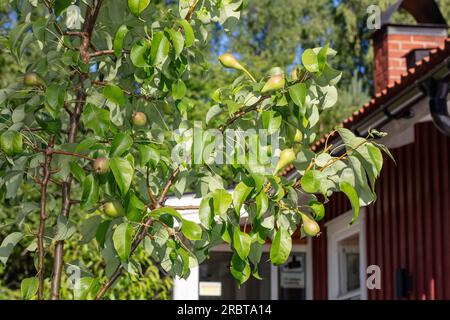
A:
(339, 229)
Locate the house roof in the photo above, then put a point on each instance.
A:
(421, 69)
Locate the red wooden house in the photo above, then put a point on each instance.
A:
(404, 237)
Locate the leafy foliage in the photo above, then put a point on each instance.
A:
(91, 80)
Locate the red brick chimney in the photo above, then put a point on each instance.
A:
(394, 44)
(398, 46)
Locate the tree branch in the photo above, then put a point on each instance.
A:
(127, 92)
(86, 34)
(43, 216)
(141, 235)
(105, 53)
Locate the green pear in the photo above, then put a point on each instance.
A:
(11, 143)
(139, 119)
(32, 79)
(298, 138)
(101, 165)
(113, 209)
(310, 227)
(275, 82)
(287, 156)
(295, 74)
(228, 60)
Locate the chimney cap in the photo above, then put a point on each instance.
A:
(424, 12)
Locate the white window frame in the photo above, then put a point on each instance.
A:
(188, 289)
(339, 229)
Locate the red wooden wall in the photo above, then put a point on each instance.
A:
(409, 225)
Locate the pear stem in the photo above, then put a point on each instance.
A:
(249, 74)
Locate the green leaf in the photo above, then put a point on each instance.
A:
(188, 32)
(376, 156)
(114, 94)
(89, 228)
(135, 209)
(298, 95)
(77, 171)
(96, 119)
(122, 238)
(54, 98)
(61, 5)
(118, 40)
(85, 288)
(205, 212)
(262, 204)
(139, 53)
(159, 49)
(311, 181)
(241, 243)
(310, 60)
(11, 142)
(123, 172)
(121, 143)
(222, 201)
(89, 195)
(178, 89)
(322, 57)
(352, 195)
(29, 288)
(148, 154)
(64, 229)
(240, 269)
(8, 245)
(138, 6)
(281, 247)
(177, 40)
(318, 208)
(191, 230)
(157, 213)
(240, 194)
(350, 140)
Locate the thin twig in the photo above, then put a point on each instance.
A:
(127, 92)
(43, 215)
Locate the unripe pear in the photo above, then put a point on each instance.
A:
(228, 60)
(310, 227)
(287, 156)
(275, 82)
(113, 209)
(298, 136)
(139, 119)
(101, 165)
(32, 79)
(294, 74)
(11, 143)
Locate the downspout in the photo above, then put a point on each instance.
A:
(439, 90)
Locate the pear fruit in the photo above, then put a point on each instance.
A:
(113, 209)
(310, 227)
(298, 138)
(275, 82)
(139, 119)
(228, 60)
(11, 143)
(32, 79)
(101, 165)
(287, 156)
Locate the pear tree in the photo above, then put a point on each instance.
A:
(101, 126)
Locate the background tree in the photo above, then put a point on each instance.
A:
(99, 114)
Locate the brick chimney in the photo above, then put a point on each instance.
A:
(395, 44)
(398, 46)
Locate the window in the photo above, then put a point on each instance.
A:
(346, 258)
